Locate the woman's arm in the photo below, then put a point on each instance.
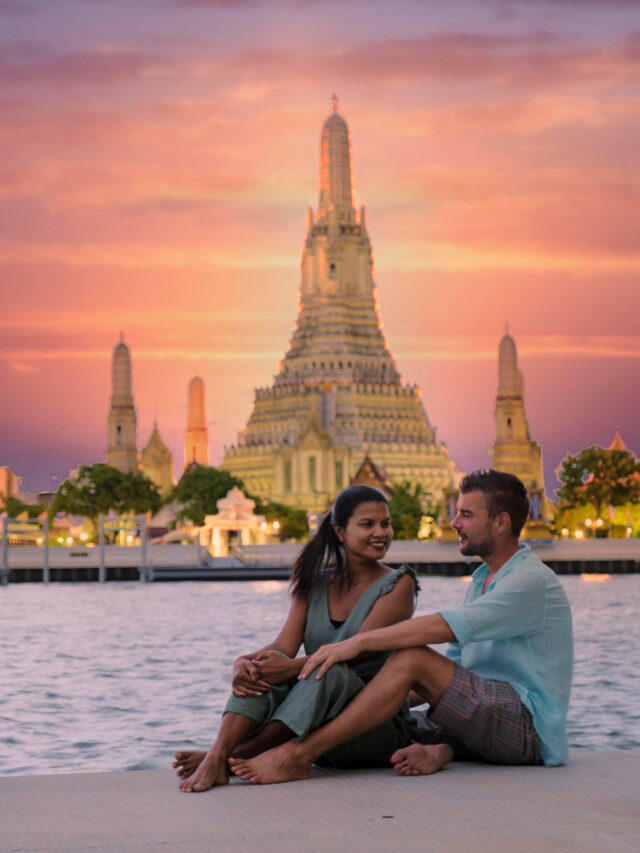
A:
(420, 631)
(248, 679)
(395, 606)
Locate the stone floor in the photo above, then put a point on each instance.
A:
(592, 804)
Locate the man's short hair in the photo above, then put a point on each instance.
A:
(502, 493)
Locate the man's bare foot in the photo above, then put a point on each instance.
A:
(213, 770)
(283, 764)
(421, 760)
(187, 762)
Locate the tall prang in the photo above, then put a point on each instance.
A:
(196, 441)
(338, 397)
(122, 450)
(514, 450)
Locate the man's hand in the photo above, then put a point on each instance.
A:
(247, 680)
(326, 656)
(273, 667)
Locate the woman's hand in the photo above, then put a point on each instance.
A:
(247, 680)
(273, 667)
(326, 656)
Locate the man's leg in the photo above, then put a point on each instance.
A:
(421, 669)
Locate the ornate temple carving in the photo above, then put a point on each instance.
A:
(338, 396)
(122, 450)
(513, 449)
(157, 463)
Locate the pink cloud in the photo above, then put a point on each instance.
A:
(29, 63)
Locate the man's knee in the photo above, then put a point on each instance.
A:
(410, 662)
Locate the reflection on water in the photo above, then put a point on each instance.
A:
(118, 676)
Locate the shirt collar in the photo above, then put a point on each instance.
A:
(483, 570)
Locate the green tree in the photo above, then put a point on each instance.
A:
(598, 476)
(15, 507)
(293, 522)
(199, 490)
(408, 503)
(99, 488)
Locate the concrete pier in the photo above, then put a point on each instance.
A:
(592, 805)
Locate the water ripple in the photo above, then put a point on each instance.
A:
(84, 690)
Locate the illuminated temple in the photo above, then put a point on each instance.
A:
(338, 405)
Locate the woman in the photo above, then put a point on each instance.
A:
(339, 587)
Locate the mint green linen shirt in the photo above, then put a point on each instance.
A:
(520, 631)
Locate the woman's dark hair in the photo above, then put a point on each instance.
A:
(324, 552)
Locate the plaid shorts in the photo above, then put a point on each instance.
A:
(481, 720)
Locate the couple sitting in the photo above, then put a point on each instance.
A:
(500, 693)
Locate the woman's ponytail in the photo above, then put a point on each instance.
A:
(320, 553)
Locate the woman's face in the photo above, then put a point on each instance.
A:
(368, 532)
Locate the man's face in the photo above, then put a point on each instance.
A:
(474, 527)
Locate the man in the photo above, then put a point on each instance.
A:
(502, 690)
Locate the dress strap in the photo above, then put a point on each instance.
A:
(377, 589)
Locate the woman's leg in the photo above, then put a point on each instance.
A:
(214, 768)
(243, 717)
(311, 703)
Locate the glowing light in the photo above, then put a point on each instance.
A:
(629, 532)
(268, 587)
(39, 540)
(579, 534)
(129, 539)
(84, 536)
(60, 540)
(69, 540)
(565, 532)
(263, 525)
(594, 578)
(276, 525)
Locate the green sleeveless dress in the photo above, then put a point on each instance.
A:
(306, 705)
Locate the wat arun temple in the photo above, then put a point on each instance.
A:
(338, 410)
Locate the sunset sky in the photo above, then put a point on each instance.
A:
(157, 159)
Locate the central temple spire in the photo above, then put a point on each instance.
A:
(335, 167)
(338, 399)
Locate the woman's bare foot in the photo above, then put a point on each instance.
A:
(283, 764)
(187, 762)
(421, 760)
(213, 770)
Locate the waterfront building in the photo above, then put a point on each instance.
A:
(196, 441)
(9, 483)
(235, 524)
(513, 449)
(122, 450)
(338, 397)
(157, 462)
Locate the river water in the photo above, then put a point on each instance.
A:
(117, 676)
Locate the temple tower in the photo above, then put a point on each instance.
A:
(338, 397)
(514, 450)
(196, 443)
(122, 450)
(157, 462)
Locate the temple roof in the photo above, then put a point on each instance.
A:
(618, 443)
